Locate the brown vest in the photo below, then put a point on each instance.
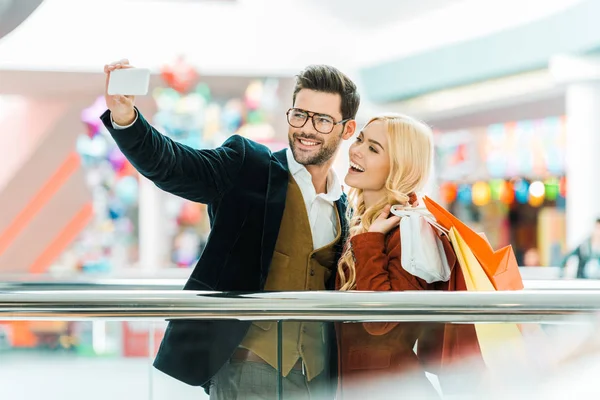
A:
(295, 267)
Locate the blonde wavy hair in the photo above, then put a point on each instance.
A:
(410, 150)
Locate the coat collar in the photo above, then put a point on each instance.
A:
(282, 158)
(274, 206)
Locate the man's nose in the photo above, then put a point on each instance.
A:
(309, 127)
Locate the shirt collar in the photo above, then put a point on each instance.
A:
(294, 166)
(334, 185)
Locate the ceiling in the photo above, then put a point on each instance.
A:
(14, 12)
(375, 14)
(249, 37)
(357, 13)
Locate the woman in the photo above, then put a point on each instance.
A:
(390, 161)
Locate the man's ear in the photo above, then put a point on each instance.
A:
(349, 129)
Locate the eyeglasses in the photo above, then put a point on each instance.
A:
(322, 123)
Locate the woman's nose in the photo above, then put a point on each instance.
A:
(355, 152)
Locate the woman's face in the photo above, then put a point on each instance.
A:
(369, 158)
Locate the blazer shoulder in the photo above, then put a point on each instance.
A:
(236, 142)
(251, 150)
(255, 165)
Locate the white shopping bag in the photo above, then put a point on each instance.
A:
(423, 253)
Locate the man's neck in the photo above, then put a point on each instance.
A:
(319, 175)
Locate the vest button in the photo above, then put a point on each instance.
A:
(312, 272)
(313, 255)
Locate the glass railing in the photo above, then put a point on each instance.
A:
(101, 344)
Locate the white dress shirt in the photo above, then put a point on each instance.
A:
(319, 207)
(117, 126)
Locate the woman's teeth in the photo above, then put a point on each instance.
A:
(356, 167)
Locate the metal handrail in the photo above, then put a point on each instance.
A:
(93, 284)
(463, 307)
(178, 283)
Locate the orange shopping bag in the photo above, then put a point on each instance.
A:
(500, 266)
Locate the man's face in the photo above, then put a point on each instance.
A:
(309, 146)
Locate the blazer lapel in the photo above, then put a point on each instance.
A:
(274, 206)
(342, 207)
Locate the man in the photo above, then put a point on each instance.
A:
(588, 257)
(277, 224)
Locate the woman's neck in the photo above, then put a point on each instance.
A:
(371, 197)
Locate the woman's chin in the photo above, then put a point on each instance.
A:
(352, 181)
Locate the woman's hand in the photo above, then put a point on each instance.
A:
(385, 223)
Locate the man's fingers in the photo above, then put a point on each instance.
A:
(108, 68)
(124, 63)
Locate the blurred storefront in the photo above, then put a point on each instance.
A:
(547, 70)
(508, 180)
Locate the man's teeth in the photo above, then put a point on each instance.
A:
(357, 167)
(308, 142)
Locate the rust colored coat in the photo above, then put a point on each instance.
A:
(368, 351)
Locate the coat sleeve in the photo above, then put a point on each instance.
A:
(378, 269)
(198, 175)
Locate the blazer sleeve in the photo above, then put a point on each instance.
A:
(381, 270)
(198, 175)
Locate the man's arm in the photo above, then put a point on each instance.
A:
(197, 175)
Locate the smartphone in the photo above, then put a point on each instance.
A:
(129, 82)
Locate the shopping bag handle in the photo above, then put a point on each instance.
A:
(404, 211)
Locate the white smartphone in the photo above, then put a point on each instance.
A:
(129, 82)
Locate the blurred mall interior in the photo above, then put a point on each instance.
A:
(511, 89)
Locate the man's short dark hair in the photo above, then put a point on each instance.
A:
(324, 78)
